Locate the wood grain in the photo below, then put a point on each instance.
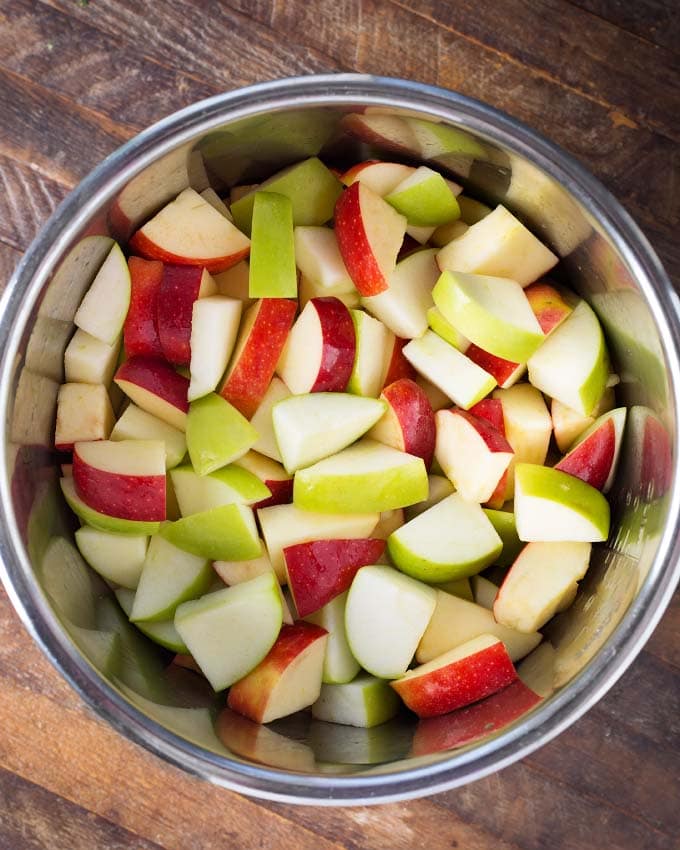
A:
(656, 21)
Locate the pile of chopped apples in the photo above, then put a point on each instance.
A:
(305, 420)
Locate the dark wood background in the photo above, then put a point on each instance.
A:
(600, 77)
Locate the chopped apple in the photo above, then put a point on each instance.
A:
(180, 287)
(381, 177)
(197, 493)
(307, 290)
(214, 327)
(425, 198)
(137, 424)
(225, 533)
(162, 632)
(594, 456)
(272, 475)
(539, 582)
(103, 309)
(506, 528)
(399, 367)
(263, 423)
(437, 398)
(102, 521)
(472, 210)
(272, 250)
(217, 433)
(365, 702)
(569, 424)
(408, 424)
(484, 592)
(339, 664)
(236, 572)
(527, 422)
(153, 385)
(380, 636)
(374, 344)
(439, 487)
(318, 257)
(548, 305)
(537, 671)
(234, 283)
(84, 412)
(118, 558)
(446, 233)
(88, 360)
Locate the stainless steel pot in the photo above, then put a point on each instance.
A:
(241, 137)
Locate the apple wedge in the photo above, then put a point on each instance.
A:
(380, 636)
(124, 480)
(84, 412)
(363, 478)
(118, 558)
(217, 433)
(272, 475)
(153, 385)
(139, 330)
(263, 422)
(364, 702)
(311, 427)
(551, 506)
(439, 487)
(506, 528)
(374, 345)
(101, 521)
(527, 422)
(229, 632)
(539, 583)
(162, 632)
(88, 360)
(320, 351)
(215, 323)
(369, 233)
(594, 456)
(484, 592)
(398, 366)
(230, 484)
(234, 283)
(318, 257)
(137, 424)
(501, 246)
(105, 305)
(191, 232)
(381, 177)
(236, 572)
(548, 305)
(408, 423)
(226, 533)
(569, 424)
(457, 678)
(425, 198)
(339, 665)
(272, 250)
(451, 540)
(180, 287)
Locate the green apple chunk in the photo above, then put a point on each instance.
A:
(101, 521)
(443, 328)
(227, 533)
(367, 701)
(572, 365)
(551, 506)
(374, 345)
(452, 372)
(118, 558)
(451, 540)
(425, 198)
(162, 632)
(339, 664)
(310, 186)
(217, 433)
(103, 310)
(272, 248)
(313, 426)
(386, 616)
(504, 523)
(229, 632)
(137, 424)
(363, 478)
(198, 493)
(169, 576)
(492, 312)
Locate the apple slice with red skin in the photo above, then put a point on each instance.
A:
(287, 680)
(457, 678)
(153, 385)
(369, 233)
(381, 177)
(123, 479)
(491, 409)
(140, 334)
(272, 474)
(594, 456)
(264, 331)
(190, 232)
(398, 366)
(504, 371)
(569, 424)
(320, 570)
(408, 423)
(180, 287)
(320, 351)
(548, 305)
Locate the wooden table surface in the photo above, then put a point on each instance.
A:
(601, 78)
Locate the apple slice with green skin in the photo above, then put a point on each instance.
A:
(453, 373)
(506, 528)
(215, 323)
(105, 305)
(501, 246)
(319, 570)
(381, 177)
(139, 330)
(307, 290)
(451, 540)
(408, 423)
(369, 233)
(439, 487)
(88, 360)
(217, 433)
(548, 305)
(363, 478)
(311, 187)
(261, 340)
(286, 525)
(102, 521)
(162, 632)
(272, 250)
(263, 422)
(84, 412)
(125, 480)
(318, 257)
(374, 345)
(118, 558)
(572, 365)
(551, 506)
(539, 583)
(473, 454)
(594, 456)
(456, 621)
(404, 304)
(229, 632)
(180, 287)
(365, 702)
(443, 328)
(169, 577)
(236, 572)
(425, 198)
(191, 232)
(320, 351)
(339, 664)
(380, 636)
(226, 533)
(568, 424)
(311, 427)
(137, 424)
(153, 385)
(459, 677)
(492, 312)
(230, 484)
(272, 475)
(287, 680)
